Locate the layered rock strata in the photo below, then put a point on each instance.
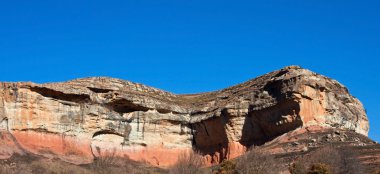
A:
(82, 119)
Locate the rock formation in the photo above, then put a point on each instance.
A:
(81, 119)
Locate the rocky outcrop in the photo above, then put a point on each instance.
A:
(81, 119)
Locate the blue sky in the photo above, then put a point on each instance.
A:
(193, 46)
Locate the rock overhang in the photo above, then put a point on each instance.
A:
(145, 123)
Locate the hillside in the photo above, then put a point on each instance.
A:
(85, 119)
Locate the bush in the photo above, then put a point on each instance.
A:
(342, 160)
(5, 169)
(104, 163)
(109, 162)
(297, 168)
(30, 164)
(319, 168)
(188, 163)
(227, 167)
(257, 162)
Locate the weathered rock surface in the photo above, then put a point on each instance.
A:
(84, 118)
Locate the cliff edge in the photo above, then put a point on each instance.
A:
(81, 119)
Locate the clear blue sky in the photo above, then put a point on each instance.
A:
(192, 46)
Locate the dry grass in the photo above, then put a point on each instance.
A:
(253, 162)
(257, 162)
(189, 163)
(324, 160)
(108, 164)
(328, 159)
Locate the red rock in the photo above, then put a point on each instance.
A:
(84, 118)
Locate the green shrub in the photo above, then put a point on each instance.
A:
(319, 168)
(227, 167)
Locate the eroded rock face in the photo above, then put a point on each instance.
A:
(81, 119)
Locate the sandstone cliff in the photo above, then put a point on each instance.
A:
(81, 119)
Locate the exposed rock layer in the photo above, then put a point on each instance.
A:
(81, 119)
